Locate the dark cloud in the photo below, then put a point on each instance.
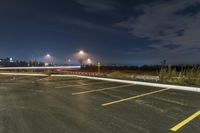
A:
(81, 23)
(160, 21)
(96, 5)
(116, 31)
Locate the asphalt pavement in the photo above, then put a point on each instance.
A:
(75, 105)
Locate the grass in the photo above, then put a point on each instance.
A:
(184, 77)
(169, 75)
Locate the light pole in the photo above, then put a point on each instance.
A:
(81, 54)
(48, 55)
(89, 61)
(69, 61)
(49, 58)
(99, 67)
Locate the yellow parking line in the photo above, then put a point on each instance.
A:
(109, 88)
(81, 85)
(134, 97)
(186, 121)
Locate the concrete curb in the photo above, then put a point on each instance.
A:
(30, 68)
(23, 74)
(176, 87)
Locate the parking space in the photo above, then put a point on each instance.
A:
(76, 105)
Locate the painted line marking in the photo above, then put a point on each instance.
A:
(45, 78)
(134, 97)
(186, 121)
(82, 85)
(14, 78)
(18, 78)
(97, 90)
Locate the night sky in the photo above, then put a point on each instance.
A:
(112, 31)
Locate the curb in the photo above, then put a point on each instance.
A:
(24, 74)
(175, 87)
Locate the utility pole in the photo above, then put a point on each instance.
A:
(99, 67)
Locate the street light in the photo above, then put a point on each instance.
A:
(89, 61)
(81, 54)
(69, 61)
(99, 67)
(49, 58)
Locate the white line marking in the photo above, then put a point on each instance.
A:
(14, 78)
(97, 90)
(81, 85)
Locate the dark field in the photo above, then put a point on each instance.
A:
(74, 105)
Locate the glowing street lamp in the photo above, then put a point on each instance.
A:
(49, 58)
(89, 61)
(69, 60)
(81, 54)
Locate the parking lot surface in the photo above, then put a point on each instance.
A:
(75, 105)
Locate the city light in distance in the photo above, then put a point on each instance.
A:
(69, 60)
(48, 56)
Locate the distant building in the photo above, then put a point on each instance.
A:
(9, 62)
(6, 61)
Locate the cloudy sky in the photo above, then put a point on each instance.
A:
(112, 31)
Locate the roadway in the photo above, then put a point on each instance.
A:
(75, 105)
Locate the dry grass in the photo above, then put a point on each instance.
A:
(185, 76)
